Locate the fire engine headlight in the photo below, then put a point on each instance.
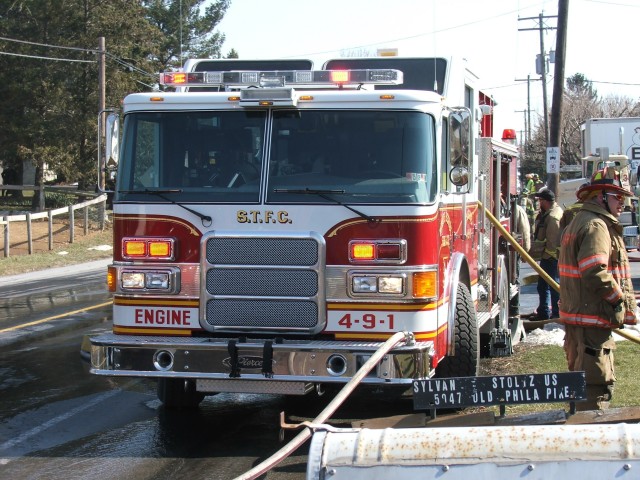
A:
(393, 285)
(150, 281)
(380, 284)
(133, 280)
(157, 280)
(362, 284)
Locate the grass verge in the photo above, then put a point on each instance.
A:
(78, 252)
(550, 358)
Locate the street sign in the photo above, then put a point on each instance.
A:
(553, 159)
(498, 390)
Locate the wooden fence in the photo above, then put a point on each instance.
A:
(99, 203)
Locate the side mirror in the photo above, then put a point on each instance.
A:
(459, 176)
(460, 147)
(108, 156)
(112, 137)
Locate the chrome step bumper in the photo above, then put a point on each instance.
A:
(258, 360)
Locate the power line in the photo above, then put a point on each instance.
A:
(48, 45)
(129, 66)
(118, 60)
(616, 83)
(38, 57)
(424, 34)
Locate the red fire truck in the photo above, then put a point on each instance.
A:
(274, 224)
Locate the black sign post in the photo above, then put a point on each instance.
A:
(435, 393)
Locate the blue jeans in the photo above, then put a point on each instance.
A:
(547, 294)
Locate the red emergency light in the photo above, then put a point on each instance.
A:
(509, 136)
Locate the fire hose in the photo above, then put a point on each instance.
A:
(329, 410)
(523, 253)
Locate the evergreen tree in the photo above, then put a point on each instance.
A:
(49, 70)
(188, 32)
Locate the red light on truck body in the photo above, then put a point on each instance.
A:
(383, 251)
(389, 251)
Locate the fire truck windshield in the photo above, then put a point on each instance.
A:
(365, 156)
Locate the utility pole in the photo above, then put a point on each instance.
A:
(525, 138)
(528, 121)
(543, 65)
(101, 106)
(553, 179)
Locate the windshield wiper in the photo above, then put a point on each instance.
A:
(325, 193)
(160, 193)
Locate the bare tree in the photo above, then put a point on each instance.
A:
(581, 102)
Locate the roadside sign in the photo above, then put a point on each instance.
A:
(553, 159)
(459, 392)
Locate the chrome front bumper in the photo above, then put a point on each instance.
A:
(223, 362)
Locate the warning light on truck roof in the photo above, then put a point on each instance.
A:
(339, 76)
(509, 135)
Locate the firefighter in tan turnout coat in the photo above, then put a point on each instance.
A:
(596, 293)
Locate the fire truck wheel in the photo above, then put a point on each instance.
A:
(466, 360)
(178, 393)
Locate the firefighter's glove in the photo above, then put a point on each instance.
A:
(618, 313)
(631, 314)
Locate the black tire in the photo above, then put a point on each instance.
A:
(179, 393)
(466, 361)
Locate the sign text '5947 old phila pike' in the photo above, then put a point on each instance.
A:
(495, 390)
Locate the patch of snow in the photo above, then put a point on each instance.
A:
(101, 247)
(553, 334)
(632, 330)
(63, 253)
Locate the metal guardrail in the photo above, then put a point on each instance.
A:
(99, 202)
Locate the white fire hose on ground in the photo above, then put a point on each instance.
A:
(330, 409)
(514, 243)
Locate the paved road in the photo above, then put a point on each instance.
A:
(37, 296)
(57, 420)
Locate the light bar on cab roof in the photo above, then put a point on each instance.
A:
(379, 76)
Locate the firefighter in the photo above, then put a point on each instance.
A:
(534, 185)
(530, 187)
(545, 246)
(596, 293)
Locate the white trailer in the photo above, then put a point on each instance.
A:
(620, 135)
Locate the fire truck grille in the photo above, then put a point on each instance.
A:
(263, 313)
(263, 283)
(262, 251)
(259, 282)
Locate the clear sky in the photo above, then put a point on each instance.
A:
(602, 39)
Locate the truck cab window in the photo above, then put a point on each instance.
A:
(206, 155)
(368, 157)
